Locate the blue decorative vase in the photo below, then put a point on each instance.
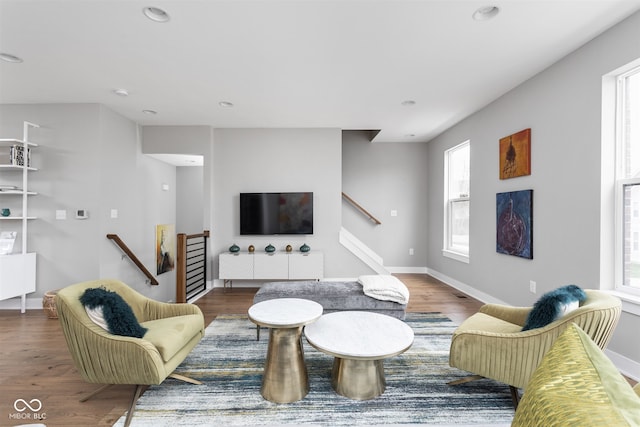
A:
(5, 212)
(234, 248)
(305, 248)
(270, 248)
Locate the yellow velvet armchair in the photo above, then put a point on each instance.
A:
(103, 358)
(491, 344)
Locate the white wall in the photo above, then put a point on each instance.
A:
(385, 177)
(189, 199)
(563, 107)
(89, 158)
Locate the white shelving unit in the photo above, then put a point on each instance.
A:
(18, 270)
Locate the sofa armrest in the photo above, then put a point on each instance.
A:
(515, 315)
(155, 310)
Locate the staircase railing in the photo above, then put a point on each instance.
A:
(361, 209)
(191, 266)
(129, 253)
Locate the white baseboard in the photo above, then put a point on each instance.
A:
(407, 270)
(628, 367)
(480, 296)
(16, 304)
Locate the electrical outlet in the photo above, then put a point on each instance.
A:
(532, 286)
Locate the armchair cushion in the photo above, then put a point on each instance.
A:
(553, 305)
(107, 307)
(169, 335)
(576, 384)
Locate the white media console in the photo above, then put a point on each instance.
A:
(274, 266)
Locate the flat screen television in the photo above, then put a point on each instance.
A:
(276, 213)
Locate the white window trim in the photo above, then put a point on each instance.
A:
(630, 298)
(447, 250)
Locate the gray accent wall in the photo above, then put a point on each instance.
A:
(572, 234)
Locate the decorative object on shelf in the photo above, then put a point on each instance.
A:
(288, 248)
(305, 248)
(270, 248)
(7, 239)
(515, 154)
(514, 223)
(234, 248)
(5, 212)
(251, 249)
(17, 157)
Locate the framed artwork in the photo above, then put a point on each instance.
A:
(165, 247)
(515, 155)
(514, 223)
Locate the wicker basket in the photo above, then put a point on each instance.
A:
(49, 304)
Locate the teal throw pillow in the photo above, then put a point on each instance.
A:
(553, 305)
(117, 314)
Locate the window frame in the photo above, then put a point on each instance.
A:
(621, 180)
(450, 250)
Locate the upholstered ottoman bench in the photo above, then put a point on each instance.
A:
(333, 296)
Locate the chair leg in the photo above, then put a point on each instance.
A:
(185, 379)
(466, 380)
(515, 396)
(93, 393)
(136, 396)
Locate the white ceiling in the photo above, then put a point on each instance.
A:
(345, 64)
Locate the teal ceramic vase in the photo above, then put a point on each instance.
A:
(270, 248)
(305, 248)
(234, 248)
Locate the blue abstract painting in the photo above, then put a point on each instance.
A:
(514, 223)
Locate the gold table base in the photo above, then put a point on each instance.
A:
(285, 377)
(358, 379)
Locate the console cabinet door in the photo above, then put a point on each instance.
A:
(235, 266)
(306, 266)
(271, 266)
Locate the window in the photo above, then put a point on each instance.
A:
(628, 181)
(456, 202)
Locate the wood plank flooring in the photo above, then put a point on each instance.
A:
(35, 362)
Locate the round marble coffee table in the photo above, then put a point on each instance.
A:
(359, 342)
(285, 377)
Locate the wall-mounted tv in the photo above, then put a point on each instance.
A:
(276, 213)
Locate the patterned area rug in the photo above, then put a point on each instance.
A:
(229, 361)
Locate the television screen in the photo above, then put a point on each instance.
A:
(276, 213)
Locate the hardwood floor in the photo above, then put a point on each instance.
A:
(36, 364)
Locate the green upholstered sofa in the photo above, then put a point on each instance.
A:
(577, 385)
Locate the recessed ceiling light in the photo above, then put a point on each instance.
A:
(225, 104)
(10, 58)
(121, 92)
(150, 112)
(156, 14)
(409, 135)
(408, 103)
(485, 13)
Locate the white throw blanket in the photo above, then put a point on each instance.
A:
(384, 287)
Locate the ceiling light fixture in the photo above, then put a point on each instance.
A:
(225, 104)
(485, 13)
(156, 14)
(408, 103)
(10, 58)
(121, 92)
(150, 112)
